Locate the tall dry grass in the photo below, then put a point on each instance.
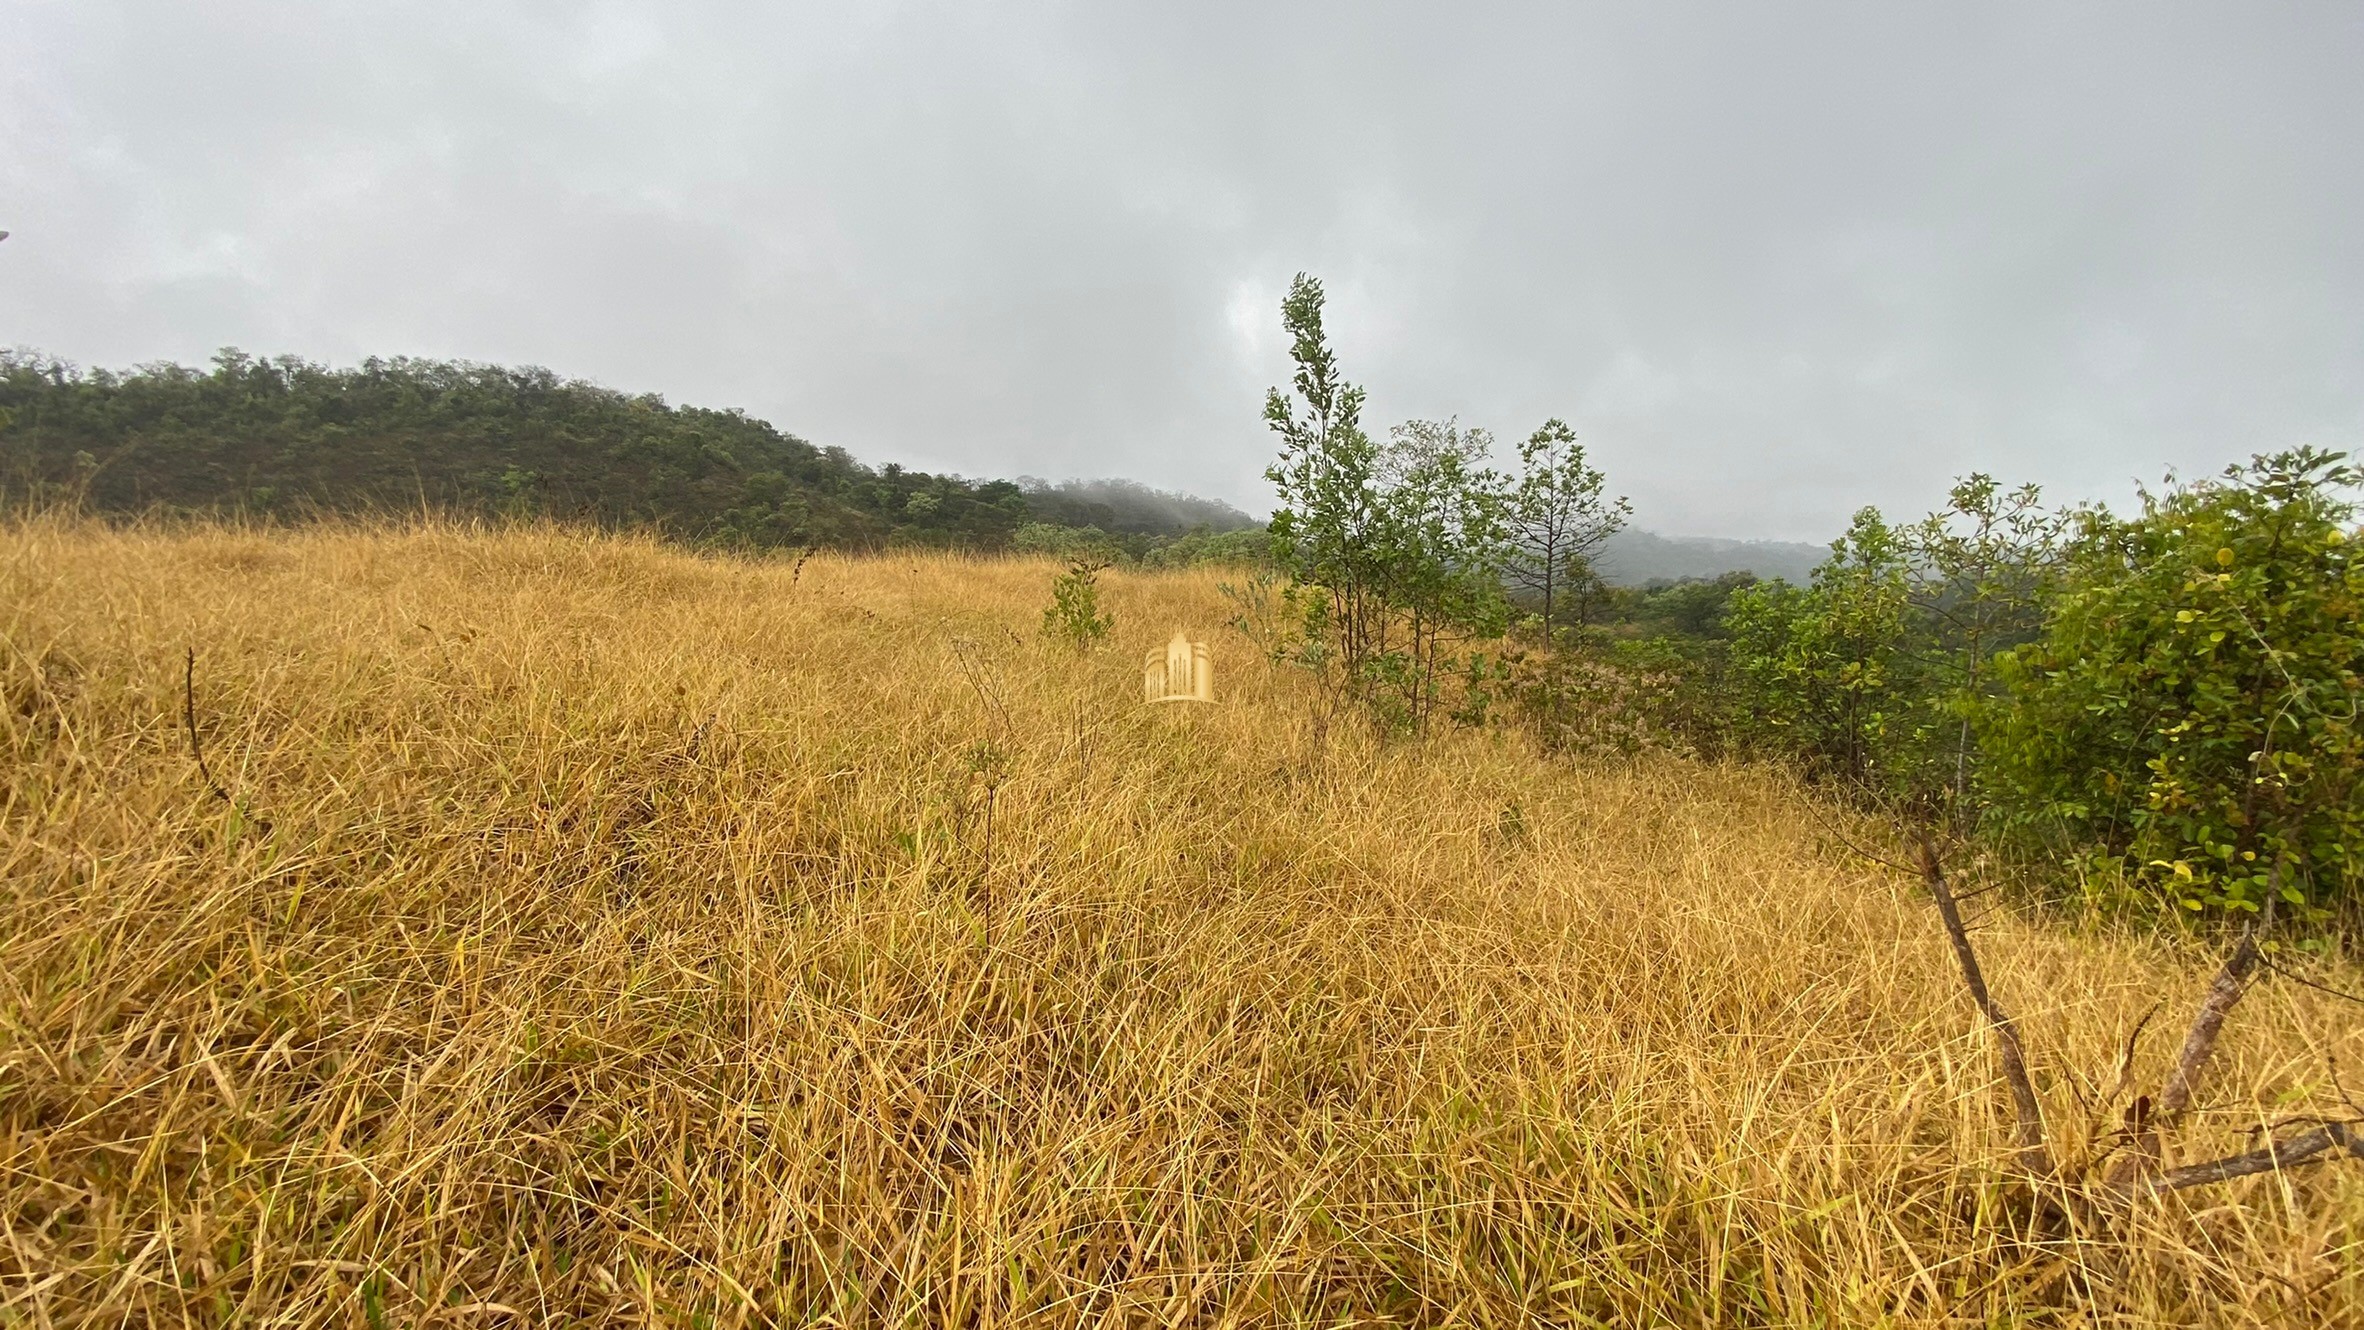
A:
(641, 938)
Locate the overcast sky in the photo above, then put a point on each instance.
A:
(1772, 261)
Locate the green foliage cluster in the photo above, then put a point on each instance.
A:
(284, 437)
(2166, 703)
(2168, 699)
(1689, 610)
(1074, 616)
(1828, 667)
(1193, 548)
(1396, 554)
(1201, 547)
(2190, 710)
(1066, 542)
(1127, 509)
(1560, 516)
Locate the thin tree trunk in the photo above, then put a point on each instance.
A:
(2146, 1121)
(2027, 1110)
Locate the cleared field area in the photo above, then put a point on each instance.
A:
(586, 932)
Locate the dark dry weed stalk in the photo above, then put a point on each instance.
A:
(613, 958)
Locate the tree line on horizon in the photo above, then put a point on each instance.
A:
(282, 438)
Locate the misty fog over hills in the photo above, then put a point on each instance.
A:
(1128, 506)
(1635, 558)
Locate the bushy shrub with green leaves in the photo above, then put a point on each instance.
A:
(1074, 615)
(2190, 709)
(1827, 674)
(1065, 542)
(1243, 549)
(1871, 675)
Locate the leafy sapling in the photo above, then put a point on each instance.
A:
(1073, 615)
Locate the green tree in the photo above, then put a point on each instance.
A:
(1326, 531)
(2191, 706)
(1074, 616)
(1981, 567)
(1443, 540)
(1558, 518)
(393, 434)
(1394, 553)
(1827, 673)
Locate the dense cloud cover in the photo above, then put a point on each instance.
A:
(1771, 261)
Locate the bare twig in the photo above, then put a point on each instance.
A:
(2330, 1141)
(973, 666)
(2231, 981)
(2028, 1133)
(2331, 1064)
(2123, 1079)
(197, 748)
(2296, 978)
(2148, 1118)
(1841, 837)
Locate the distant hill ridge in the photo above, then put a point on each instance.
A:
(287, 436)
(1637, 558)
(284, 436)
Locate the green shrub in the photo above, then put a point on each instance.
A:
(1071, 543)
(1073, 615)
(1240, 549)
(1827, 674)
(1394, 552)
(2190, 709)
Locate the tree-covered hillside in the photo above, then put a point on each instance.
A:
(285, 436)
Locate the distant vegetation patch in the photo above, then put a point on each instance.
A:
(284, 437)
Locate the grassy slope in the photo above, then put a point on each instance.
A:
(626, 943)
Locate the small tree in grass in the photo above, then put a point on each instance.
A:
(1074, 616)
(1393, 554)
(1558, 519)
(1826, 673)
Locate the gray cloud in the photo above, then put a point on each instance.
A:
(1772, 261)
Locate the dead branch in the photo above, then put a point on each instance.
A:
(2147, 1119)
(981, 679)
(2028, 1133)
(2123, 1079)
(197, 748)
(2300, 979)
(2140, 1173)
(2199, 1043)
(2330, 1141)
(189, 715)
(1815, 809)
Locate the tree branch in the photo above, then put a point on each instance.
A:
(2329, 1141)
(2231, 981)
(2145, 1121)
(2028, 1112)
(197, 749)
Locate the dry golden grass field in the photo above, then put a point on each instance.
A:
(598, 934)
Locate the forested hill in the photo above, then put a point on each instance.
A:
(286, 437)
